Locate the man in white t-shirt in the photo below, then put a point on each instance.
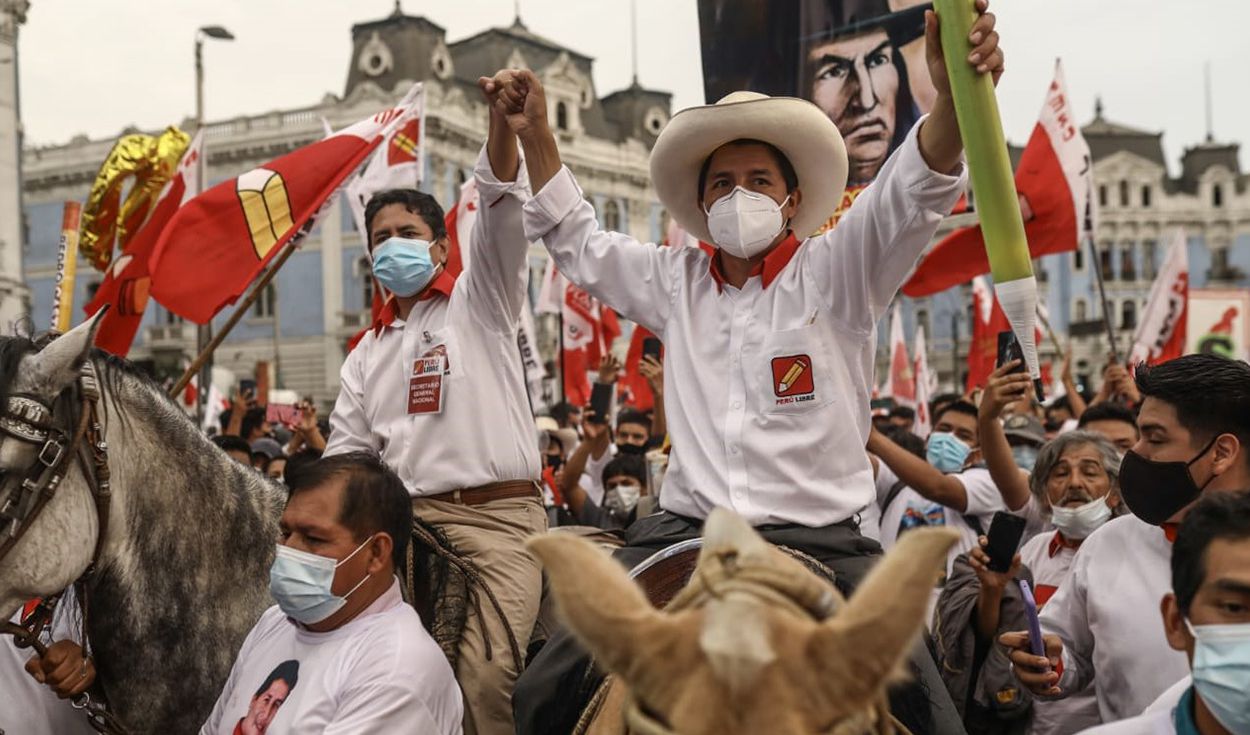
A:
(341, 651)
(1103, 624)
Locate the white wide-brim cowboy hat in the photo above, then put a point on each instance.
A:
(798, 128)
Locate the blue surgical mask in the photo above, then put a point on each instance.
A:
(300, 583)
(946, 452)
(1025, 456)
(1221, 671)
(403, 266)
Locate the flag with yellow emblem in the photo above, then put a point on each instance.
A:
(220, 241)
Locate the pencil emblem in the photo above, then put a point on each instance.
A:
(792, 376)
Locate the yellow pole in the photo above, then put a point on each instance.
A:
(66, 269)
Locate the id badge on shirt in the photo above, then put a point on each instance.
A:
(425, 386)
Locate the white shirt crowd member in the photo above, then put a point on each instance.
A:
(1107, 615)
(909, 509)
(1049, 557)
(484, 432)
(379, 673)
(26, 706)
(769, 408)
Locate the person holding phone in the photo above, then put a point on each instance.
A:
(437, 389)
(1102, 622)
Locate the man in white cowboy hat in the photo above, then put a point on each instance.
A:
(769, 333)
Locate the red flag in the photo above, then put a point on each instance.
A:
(902, 383)
(221, 240)
(1162, 330)
(988, 320)
(1053, 181)
(635, 390)
(126, 282)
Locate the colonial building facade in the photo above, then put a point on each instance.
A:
(322, 295)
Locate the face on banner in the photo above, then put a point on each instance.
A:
(861, 61)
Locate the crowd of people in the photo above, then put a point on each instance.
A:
(1132, 532)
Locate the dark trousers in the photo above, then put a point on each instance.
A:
(554, 689)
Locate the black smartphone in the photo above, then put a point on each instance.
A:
(1009, 349)
(651, 348)
(1003, 540)
(247, 387)
(600, 403)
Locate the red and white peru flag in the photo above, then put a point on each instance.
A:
(924, 386)
(1161, 332)
(590, 328)
(1054, 180)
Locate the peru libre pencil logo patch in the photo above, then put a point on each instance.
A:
(792, 379)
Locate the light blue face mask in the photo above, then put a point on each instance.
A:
(1025, 456)
(946, 452)
(300, 583)
(1221, 672)
(403, 266)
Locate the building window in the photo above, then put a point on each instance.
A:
(1128, 315)
(1123, 193)
(1102, 195)
(562, 116)
(922, 321)
(1106, 265)
(1080, 312)
(1148, 260)
(1219, 262)
(1145, 196)
(266, 304)
(1128, 266)
(1217, 196)
(1078, 258)
(365, 268)
(612, 216)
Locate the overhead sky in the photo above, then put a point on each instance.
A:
(96, 67)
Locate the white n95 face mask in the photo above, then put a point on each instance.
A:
(744, 223)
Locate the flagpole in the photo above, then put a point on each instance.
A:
(258, 288)
(1096, 261)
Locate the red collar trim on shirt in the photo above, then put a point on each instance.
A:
(1169, 530)
(768, 270)
(442, 285)
(1058, 542)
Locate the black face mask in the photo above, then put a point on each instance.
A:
(555, 461)
(634, 449)
(1156, 491)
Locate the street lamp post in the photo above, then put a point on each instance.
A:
(204, 333)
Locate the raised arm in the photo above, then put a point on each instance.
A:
(1004, 389)
(564, 221)
(596, 441)
(498, 272)
(918, 474)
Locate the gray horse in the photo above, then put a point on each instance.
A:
(182, 574)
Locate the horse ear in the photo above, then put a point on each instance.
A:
(602, 605)
(858, 650)
(56, 366)
(727, 531)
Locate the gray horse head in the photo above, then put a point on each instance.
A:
(183, 571)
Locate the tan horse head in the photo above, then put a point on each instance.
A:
(730, 655)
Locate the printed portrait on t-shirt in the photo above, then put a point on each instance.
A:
(268, 699)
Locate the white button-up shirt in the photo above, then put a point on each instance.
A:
(1107, 614)
(768, 386)
(485, 432)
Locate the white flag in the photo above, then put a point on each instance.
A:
(902, 383)
(924, 386)
(1160, 333)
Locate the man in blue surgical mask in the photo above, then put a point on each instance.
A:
(340, 651)
(1207, 617)
(436, 388)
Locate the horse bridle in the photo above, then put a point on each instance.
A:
(31, 419)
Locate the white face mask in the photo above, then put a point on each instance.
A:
(744, 223)
(1079, 522)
